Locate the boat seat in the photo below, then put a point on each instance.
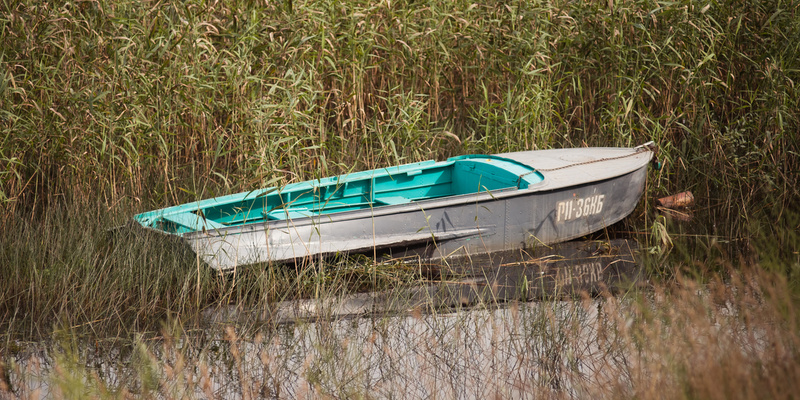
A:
(288, 213)
(193, 221)
(392, 200)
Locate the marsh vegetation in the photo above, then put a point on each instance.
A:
(108, 109)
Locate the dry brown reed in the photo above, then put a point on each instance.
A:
(735, 337)
(108, 108)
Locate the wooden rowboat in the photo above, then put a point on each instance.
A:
(465, 205)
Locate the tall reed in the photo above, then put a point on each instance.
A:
(108, 108)
(166, 102)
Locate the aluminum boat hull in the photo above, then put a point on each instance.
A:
(584, 190)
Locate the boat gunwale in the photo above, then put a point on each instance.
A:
(548, 183)
(203, 224)
(416, 206)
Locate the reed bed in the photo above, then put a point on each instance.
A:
(108, 108)
(160, 102)
(120, 283)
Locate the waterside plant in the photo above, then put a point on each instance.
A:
(734, 338)
(109, 108)
(158, 103)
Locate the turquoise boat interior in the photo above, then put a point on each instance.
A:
(401, 184)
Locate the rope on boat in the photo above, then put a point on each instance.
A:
(649, 146)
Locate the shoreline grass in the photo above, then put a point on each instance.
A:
(68, 273)
(163, 104)
(112, 108)
(735, 337)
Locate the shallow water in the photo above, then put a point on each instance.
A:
(508, 351)
(487, 333)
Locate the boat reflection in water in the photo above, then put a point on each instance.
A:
(452, 339)
(567, 270)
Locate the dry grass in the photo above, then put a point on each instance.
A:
(108, 108)
(149, 105)
(733, 338)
